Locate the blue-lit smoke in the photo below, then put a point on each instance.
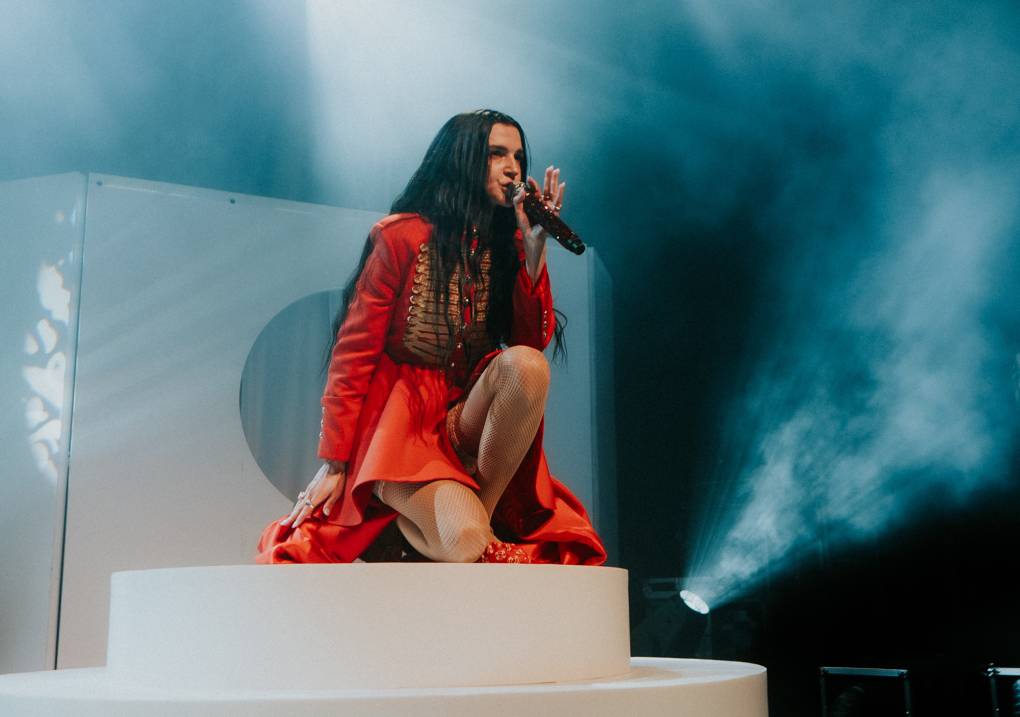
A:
(885, 379)
(889, 402)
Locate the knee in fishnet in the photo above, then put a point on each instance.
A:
(523, 372)
(443, 520)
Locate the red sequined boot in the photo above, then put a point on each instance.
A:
(499, 552)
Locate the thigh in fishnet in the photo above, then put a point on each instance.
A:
(443, 520)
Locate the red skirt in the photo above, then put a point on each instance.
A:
(402, 437)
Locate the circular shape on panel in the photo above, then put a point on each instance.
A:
(281, 386)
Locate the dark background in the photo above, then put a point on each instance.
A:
(809, 214)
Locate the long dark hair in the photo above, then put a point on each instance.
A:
(449, 191)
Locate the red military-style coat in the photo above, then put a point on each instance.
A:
(393, 377)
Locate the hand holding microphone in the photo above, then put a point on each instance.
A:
(543, 209)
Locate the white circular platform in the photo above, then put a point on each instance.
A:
(380, 640)
(653, 687)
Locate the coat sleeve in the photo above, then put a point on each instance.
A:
(359, 345)
(533, 320)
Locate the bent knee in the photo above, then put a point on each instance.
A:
(525, 363)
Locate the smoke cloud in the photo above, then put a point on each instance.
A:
(883, 377)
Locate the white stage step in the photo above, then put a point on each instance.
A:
(378, 625)
(380, 640)
(659, 687)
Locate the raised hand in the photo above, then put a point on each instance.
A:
(552, 192)
(552, 188)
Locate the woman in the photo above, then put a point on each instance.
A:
(432, 412)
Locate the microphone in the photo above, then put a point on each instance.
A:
(539, 213)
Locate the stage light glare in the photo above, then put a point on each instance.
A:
(673, 622)
(694, 602)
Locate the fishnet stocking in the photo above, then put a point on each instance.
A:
(443, 519)
(501, 415)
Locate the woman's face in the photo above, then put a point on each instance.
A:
(505, 156)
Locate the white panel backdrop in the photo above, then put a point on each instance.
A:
(41, 224)
(178, 283)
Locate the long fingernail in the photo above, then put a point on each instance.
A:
(325, 511)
